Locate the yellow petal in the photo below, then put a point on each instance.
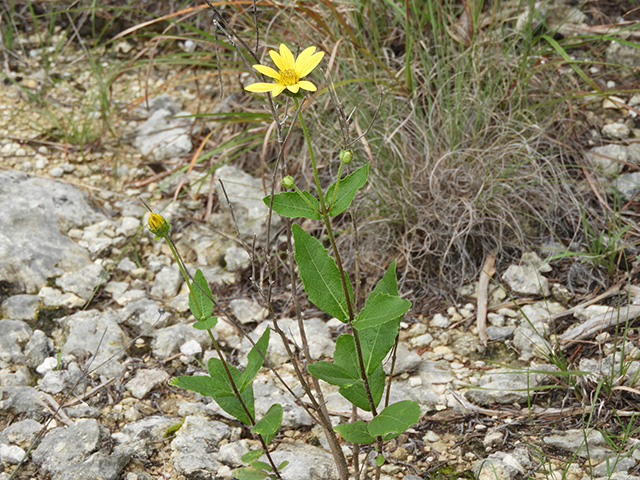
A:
(287, 57)
(277, 90)
(277, 59)
(310, 64)
(306, 85)
(293, 88)
(303, 57)
(261, 87)
(268, 71)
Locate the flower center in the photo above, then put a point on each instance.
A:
(288, 77)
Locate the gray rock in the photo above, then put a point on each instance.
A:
(144, 316)
(247, 311)
(616, 130)
(99, 465)
(503, 466)
(167, 283)
(57, 381)
(52, 297)
(21, 433)
(502, 388)
(317, 333)
(167, 341)
(293, 416)
(231, 453)
(37, 349)
(305, 463)
(11, 453)
(13, 335)
(526, 280)
(64, 447)
(406, 361)
(21, 377)
(194, 446)
(245, 195)
(21, 307)
(32, 246)
(614, 464)
(163, 136)
(145, 381)
(236, 259)
(82, 411)
(500, 333)
(628, 184)
(573, 442)
(83, 282)
(140, 436)
(96, 333)
(607, 160)
(530, 343)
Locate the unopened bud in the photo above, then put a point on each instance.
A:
(158, 225)
(346, 156)
(287, 182)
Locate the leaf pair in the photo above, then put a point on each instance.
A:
(338, 198)
(391, 422)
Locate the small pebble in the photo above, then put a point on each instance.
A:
(56, 172)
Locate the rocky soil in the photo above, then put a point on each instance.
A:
(94, 317)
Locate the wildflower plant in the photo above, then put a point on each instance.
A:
(357, 366)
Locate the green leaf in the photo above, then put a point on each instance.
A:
(262, 466)
(379, 310)
(207, 324)
(320, 275)
(357, 432)
(252, 455)
(347, 189)
(203, 384)
(254, 360)
(200, 304)
(332, 373)
(395, 419)
(172, 429)
(357, 394)
(283, 464)
(269, 425)
(376, 343)
(249, 473)
(225, 396)
(292, 205)
(380, 460)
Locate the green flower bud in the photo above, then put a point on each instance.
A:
(158, 225)
(346, 156)
(287, 182)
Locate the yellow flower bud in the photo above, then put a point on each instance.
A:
(158, 225)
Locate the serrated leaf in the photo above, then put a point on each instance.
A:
(252, 455)
(357, 432)
(395, 419)
(207, 324)
(200, 304)
(292, 205)
(254, 360)
(269, 425)
(347, 190)
(379, 310)
(380, 460)
(248, 473)
(320, 275)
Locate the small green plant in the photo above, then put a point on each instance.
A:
(356, 368)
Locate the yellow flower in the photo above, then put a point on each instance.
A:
(158, 225)
(290, 71)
